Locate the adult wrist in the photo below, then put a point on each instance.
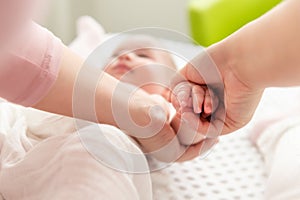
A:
(232, 59)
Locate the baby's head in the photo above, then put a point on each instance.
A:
(139, 59)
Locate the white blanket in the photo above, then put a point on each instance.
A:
(279, 144)
(275, 129)
(43, 157)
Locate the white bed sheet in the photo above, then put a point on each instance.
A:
(234, 170)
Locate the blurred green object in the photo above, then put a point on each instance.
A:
(213, 20)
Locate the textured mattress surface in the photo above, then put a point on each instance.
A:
(233, 170)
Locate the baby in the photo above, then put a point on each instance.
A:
(142, 61)
(137, 59)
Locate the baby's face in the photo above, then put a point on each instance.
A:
(135, 62)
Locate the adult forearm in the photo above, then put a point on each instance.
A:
(90, 94)
(265, 52)
(60, 99)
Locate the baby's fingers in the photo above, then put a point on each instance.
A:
(210, 104)
(181, 95)
(198, 94)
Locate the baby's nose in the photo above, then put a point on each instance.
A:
(126, 56)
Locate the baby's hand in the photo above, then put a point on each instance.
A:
(200, 99)
(192, 102)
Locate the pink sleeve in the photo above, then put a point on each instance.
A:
(30, 66)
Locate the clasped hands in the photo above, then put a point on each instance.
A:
(206, 107)
(174, 137)
(178, 137)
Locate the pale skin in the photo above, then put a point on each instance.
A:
(264, 53)
(131, 55)
(59, 100)
(134, 61)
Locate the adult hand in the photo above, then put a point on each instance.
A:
(237, 100)
(249, 60)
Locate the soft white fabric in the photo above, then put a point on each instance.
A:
(280, 147)
(275, 130)
(90, 34)
(43, 157)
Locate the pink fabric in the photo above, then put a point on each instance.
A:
(29, 66)
(13, 14)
